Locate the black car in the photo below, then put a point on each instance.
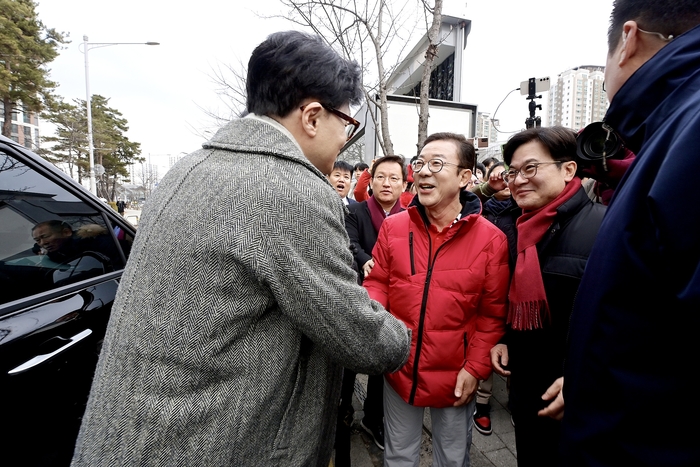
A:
(62, 254)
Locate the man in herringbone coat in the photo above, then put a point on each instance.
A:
(238, 307)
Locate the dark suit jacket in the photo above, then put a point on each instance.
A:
(363, 236)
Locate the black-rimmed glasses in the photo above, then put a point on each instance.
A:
(527, 172)
(351, 125)
(434, 165)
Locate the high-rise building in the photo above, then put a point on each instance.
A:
(577, 97)
(25, 127)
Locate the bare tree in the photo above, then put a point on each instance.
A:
(430, 54)
(372, 33)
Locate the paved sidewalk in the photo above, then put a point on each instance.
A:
(495, 450)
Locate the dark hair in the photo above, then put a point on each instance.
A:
(465, 149)
(559, 141)
(668, 17)
(291, 66)
(54, 225)
(342, 165)
(480, 166)
(398, 159)
(489, 161)
(494, 167)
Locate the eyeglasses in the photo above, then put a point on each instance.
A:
(394, 180)
(351, 124)
(434, 165)
(527, 172)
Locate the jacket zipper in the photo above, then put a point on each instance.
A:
(421, 321)
(410, 249)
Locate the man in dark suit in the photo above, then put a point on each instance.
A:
(363, 224)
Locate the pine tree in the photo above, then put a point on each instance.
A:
(26, 47)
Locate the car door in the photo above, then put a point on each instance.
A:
(55, 303)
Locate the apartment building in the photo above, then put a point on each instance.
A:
(577, 98)
(25, 127)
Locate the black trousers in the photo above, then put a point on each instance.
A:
(536, 439)
(373, 409)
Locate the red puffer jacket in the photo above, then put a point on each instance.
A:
(454, 302)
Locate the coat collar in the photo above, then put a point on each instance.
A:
(256, 135)
(656, 89)
(471, 206)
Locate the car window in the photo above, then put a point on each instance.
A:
(48, 236)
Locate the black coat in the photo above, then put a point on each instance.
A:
(363, 235)
(537, 356)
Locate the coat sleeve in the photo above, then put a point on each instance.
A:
(491, 314)
(360, 191)
(306, 263)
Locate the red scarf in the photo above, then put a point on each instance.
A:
(528, 306)
(377, 214)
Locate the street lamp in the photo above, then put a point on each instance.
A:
(87, 46)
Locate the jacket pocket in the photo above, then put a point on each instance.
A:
(286, 429)
(464, 361)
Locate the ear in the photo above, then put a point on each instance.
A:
(630, 42)
(310, 117)
(569, 168)
(466, 178)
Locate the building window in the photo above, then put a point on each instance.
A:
(441, 81)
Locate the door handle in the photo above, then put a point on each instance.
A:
(39, 359)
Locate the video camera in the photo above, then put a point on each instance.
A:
(595, 144)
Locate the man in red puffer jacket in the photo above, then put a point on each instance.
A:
(442, 269)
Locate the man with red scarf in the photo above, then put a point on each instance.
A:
(388, 182)
(555, 234)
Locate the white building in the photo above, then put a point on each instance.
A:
(447, 111)
(486, 128)
(577, 98)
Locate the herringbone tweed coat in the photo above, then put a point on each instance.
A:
(236, 312)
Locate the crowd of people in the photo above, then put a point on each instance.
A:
(266, 275)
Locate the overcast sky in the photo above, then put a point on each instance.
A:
(160, 90)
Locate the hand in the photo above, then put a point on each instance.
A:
(367, 267)
(465, 387)
(499, 359)
(554, 410)
(496, 182)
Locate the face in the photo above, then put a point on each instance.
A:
(340, 179)
(49, 239)
(387, 183)
(618, 66)
(357, 174)
(612, 73)
(540, 190)
(437, 191)
(329, 139)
